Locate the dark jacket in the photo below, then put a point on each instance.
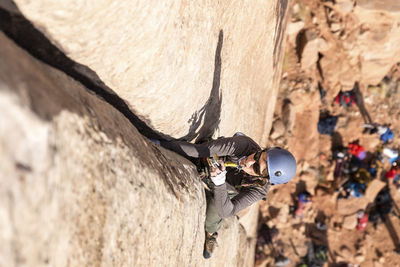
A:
(232, 148)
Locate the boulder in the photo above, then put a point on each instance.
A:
(310, 177)
(310, 55)
(288, 115)
(338, 70)
(282, 217)
(293, 29)
(387, 5)
(379, 46)
(369, 45)
(278, 129)
(335, 27)
(350, 222)
(345, 6)
(306, 116)
(345, 252)
(359, 258)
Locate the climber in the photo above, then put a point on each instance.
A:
(236, 188)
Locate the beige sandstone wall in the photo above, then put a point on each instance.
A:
(178, 64)
(81, 187)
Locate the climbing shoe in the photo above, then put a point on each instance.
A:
(209, 244)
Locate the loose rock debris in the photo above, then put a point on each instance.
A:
(336, 67)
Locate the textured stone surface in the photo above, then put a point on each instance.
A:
(278, 129)
(180, 65)
(367, 48)
(79, 186)
(379, 46)
(350, 222)
(387, 5)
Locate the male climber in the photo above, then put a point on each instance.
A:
(235, 188)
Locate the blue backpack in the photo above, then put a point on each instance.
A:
(387, 136)
(327, 125)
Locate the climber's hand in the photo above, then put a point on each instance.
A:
(214, 171)
(218, 174)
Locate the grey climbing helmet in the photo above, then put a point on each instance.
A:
(281, 165)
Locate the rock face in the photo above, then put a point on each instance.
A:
(188, 69)
(81, 187)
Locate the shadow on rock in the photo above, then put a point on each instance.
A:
(23, 32)
(210, 113)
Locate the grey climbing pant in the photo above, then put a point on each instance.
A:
(213, 220)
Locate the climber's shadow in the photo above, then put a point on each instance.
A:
(205, 121)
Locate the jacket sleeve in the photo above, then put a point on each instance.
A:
(227, 207)
(232, 146)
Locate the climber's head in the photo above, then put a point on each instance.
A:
(276, 163)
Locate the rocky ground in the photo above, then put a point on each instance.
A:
(330, 47)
